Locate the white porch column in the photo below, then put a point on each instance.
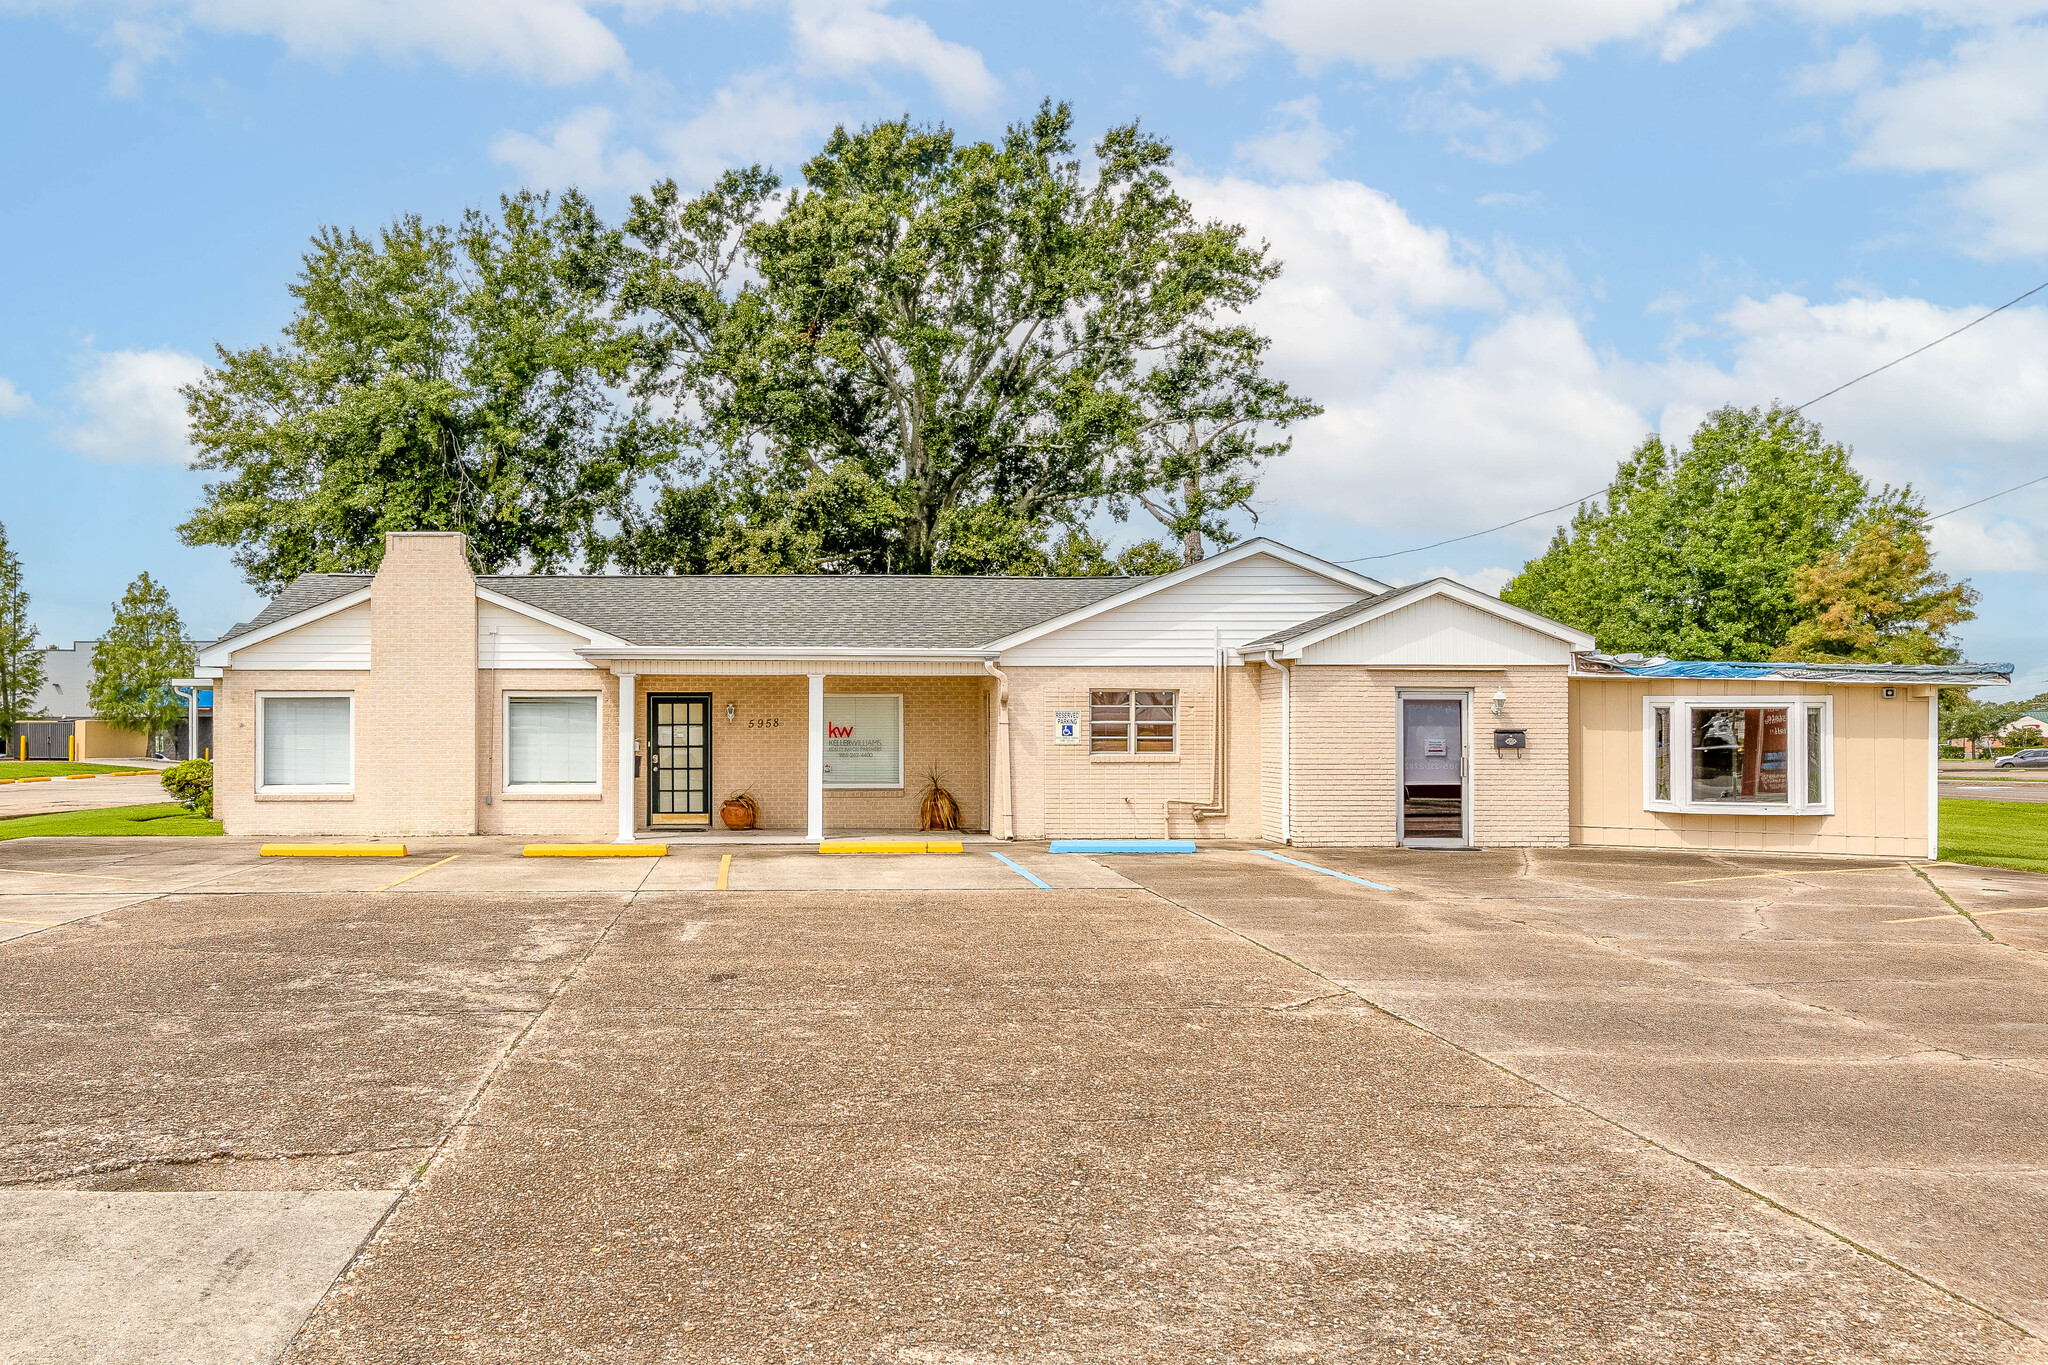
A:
(815, 801)
(629, 722)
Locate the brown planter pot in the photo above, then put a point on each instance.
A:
(739, 814)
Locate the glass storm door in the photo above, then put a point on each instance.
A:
(1434, 806)
(679, 759)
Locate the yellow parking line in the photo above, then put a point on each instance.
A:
(45, 923)
(724, 871)
(428, 868)
(1816, 872)
(1974, 914)
(89, 876)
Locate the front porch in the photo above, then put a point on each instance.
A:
(835, 748)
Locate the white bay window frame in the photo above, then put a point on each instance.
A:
(1796, 708)
(263, 700)
(594, 787)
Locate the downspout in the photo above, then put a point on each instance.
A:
(1218, 804)
(1002, 820)
(1286, 745)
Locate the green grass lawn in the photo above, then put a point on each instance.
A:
(1996, 833)
(166, 818)
(16, 769)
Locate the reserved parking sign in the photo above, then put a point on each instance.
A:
(1066, 727)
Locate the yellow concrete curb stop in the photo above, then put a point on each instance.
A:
(331, 851)
(595, 851)
(890, 846)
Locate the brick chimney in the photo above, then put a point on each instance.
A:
(416, 736)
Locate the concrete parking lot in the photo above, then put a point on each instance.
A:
(1555, 1105)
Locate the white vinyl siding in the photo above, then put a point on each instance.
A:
(507, 639)
(1182, 624)
(337, 642)
(1439, 632)
(307, 742)
(551, 740)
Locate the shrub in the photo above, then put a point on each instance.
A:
(191, 784)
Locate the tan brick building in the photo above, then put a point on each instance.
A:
(1262, 694)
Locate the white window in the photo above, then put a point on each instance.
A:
(1739, 755)
(1131, 722)
(863, 740)
(305, 742)
(551, 741)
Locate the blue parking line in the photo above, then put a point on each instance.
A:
(1025, 873)
(1326, 871)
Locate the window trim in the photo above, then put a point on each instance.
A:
(1131, 749)
(1794, 706)
(902, 748)
(347, 788)
(505, 782)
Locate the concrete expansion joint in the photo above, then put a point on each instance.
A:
(1308, 1000)
(115, 1165)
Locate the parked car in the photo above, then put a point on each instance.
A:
(2024, 758)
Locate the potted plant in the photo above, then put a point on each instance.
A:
(938, 810)
(740, 811)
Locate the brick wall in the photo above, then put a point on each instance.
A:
(1064, 791)
(416, 731)
(593, 818)
(1346, 754)
(241, 810)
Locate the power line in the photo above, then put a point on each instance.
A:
(1588, 497)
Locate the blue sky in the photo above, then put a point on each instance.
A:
(1517, 236)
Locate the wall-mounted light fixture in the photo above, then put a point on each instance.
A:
(730, 711)
(1500, 701)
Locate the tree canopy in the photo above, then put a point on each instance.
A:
(931, 356)
(21, 657)
(1756, 538)
(133, 664)
(432, 378)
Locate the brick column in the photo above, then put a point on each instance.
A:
(416, 736)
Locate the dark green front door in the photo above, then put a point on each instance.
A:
(679, 758)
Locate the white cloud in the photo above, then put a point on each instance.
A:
(126, 407)
(1295, 144)
(545, 40)
(1482, 134)
(1510, 39)
(848, 37)
(13, 402)
(577, 153)
(1981, 117)
(1488, 581)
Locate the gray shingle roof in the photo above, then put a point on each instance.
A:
(805, 611)
(795, 611)
(301, 594)
(1281, 637)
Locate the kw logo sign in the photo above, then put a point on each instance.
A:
(838, 731)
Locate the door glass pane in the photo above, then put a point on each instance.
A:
(1432, 769)
(1813, 770)
(1740, 754)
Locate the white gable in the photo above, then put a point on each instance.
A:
(510, 639)
(1439, 631)
(339, 640)
(1179, 623)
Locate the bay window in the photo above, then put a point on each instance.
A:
(1738, 755)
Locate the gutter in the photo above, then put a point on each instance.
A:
(1218, 805)
(1002, 820)
(785, 653)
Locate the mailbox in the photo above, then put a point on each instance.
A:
(1510, 739)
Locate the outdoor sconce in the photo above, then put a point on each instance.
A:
(730, 711)
(1500, 700)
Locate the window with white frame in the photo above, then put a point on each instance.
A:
(305, 742)
(551, 741)
(1739, 755)
(1122, 722)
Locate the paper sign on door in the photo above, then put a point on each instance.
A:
(1433, 743)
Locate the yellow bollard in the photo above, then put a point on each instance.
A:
(71, 745)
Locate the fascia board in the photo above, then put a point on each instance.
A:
(548, 618)
(222, 656)
(1457, 592)
(1235, 554)
(783, 652)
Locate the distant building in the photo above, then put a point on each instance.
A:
(68, 727)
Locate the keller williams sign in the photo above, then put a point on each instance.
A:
(863, 740)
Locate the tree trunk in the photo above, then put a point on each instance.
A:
(1191, 539)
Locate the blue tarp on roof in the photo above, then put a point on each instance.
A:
(1636, 666)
